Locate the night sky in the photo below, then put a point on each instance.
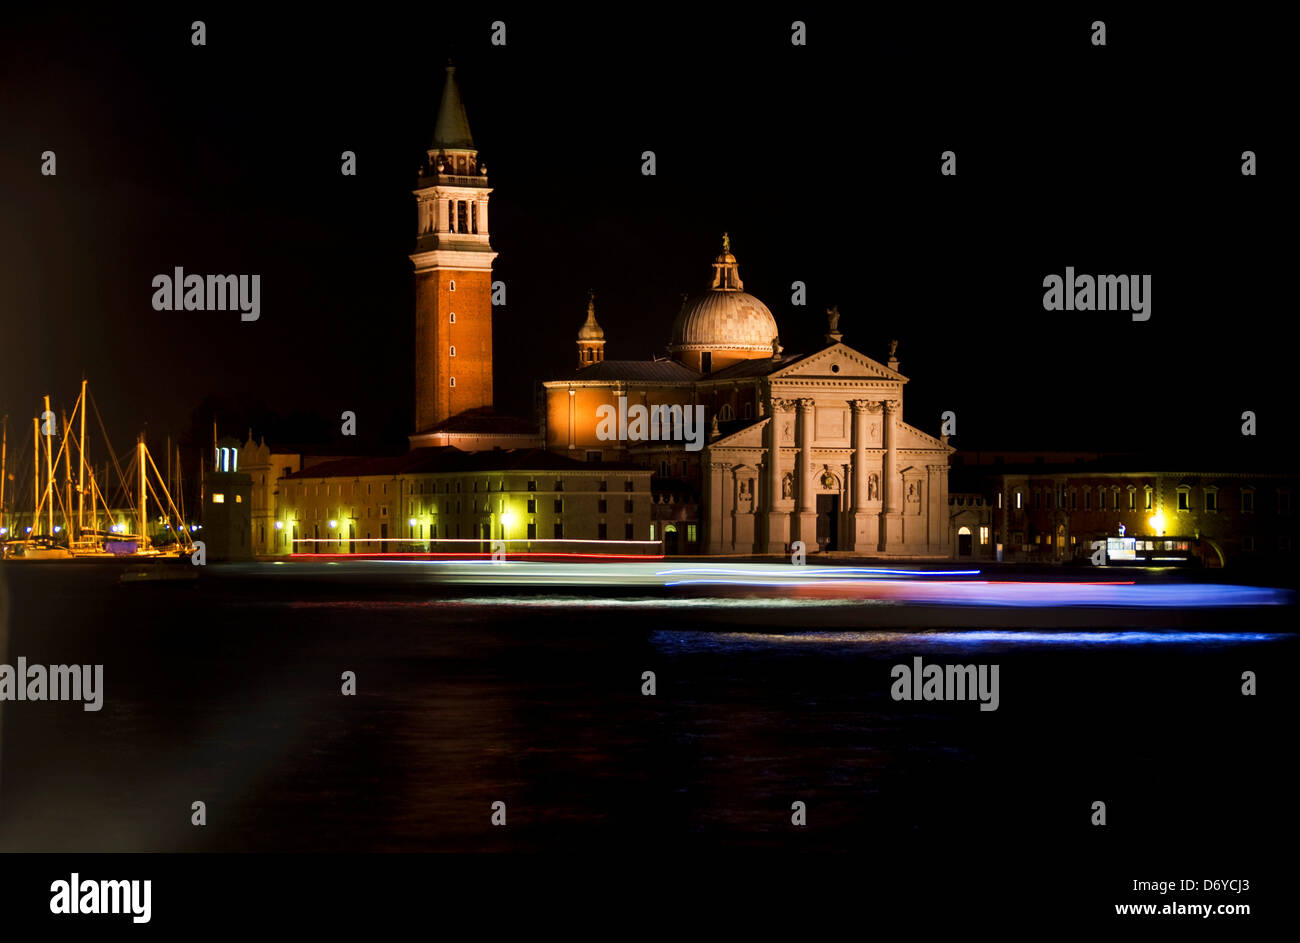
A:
(822, 162)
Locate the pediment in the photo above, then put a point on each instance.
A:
(852, 364)
(750, 437)
(910, 437)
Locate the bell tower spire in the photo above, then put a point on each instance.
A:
(453, 270)
(591, 336)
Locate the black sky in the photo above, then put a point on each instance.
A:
(822, 162)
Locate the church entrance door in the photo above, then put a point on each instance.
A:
(828, 520)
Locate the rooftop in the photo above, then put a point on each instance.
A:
(447, 459)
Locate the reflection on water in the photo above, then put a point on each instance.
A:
(990, 641)
(228, 692)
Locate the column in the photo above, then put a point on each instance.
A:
(937, 512)
(441, 211)
(858, 523)
(891, 517)
(714, 506)
(778, 518)
(483, 216)
(803, 478)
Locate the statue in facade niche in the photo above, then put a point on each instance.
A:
(873, 487)
(787, 486)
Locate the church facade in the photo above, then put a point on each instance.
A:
(806, 447)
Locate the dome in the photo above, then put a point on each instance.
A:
(591, 329)
(724, 318)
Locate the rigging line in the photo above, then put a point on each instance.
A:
(108, 442)
(170, 503)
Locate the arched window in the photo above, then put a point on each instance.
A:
(451, 285)
(453, 350)
(726, 412)
(453, 381)
(453, 314)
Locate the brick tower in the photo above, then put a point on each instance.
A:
(453, 272)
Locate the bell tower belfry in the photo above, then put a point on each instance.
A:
(453, 271)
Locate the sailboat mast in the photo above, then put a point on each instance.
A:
(47, 417)
(4, 464)
(81, 465)
(139, 454)
(180, 483)
(36, 474)
(67, 477)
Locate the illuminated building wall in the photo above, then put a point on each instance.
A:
(411, 503)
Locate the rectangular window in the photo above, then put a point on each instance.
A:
(1211, 500)
(627, 531)
(601, 506)
(602, 532)
(1150, 498)
(218, 498)
(559, 485)
(984, 535)
(1247, 502)
(1183, 497)
(532, 485)
(559, 530)
(627, 506)
(627, 486)
(690, 533)
(532, 505)
(559, 505)
(604, 485)
(999, 500)
(1020, 498)
(532, 530)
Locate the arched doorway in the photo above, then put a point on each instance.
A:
(963, 542)
(670, 539)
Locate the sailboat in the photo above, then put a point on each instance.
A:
(80, 534)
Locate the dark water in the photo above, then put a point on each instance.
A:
(228, 692)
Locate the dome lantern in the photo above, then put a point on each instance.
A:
(725, 324)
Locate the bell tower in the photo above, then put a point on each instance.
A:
(591, 336)
(453, 271)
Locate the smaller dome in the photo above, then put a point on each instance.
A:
(590, 330)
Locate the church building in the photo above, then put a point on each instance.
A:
(796, 447)
(726, 445)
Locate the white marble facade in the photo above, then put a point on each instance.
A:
(848, 475)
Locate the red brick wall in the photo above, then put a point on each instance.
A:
(435, 399)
